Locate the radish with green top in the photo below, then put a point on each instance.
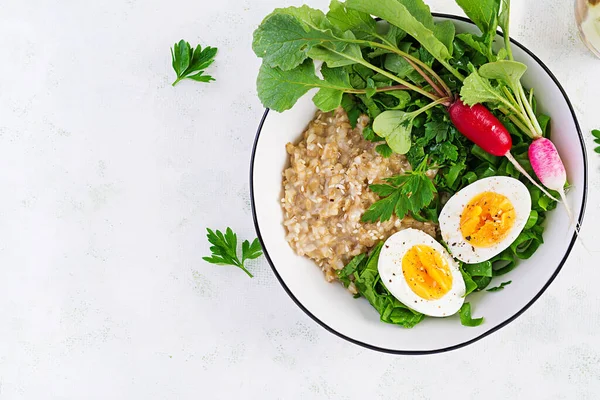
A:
(549, 168)
(480, 126)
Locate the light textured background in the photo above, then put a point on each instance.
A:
(110, 176)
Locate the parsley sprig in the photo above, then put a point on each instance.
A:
(401, 194)
(190, 63)
(596, 133)
(224, 249)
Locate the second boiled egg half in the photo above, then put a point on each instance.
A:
(485, 218)
(420, 273)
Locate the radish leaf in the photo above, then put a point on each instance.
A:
(477, 89)
(283, 41)
(484, 13)
(397, 14)
(280, 90)
(346, 19)
(509, 72)
(396, 127)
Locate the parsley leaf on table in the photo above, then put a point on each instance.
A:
(224, 249)
(402, 194)
(190, 63)
(596, 133)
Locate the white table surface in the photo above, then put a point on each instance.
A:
(110, 177)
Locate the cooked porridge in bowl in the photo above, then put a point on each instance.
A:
(326, 192)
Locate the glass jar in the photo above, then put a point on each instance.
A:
(587, 14)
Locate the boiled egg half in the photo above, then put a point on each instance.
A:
(420, 273)
(485, 218)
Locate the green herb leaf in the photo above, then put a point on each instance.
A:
(190, 63)
(465, 316)
(251, 251)
(499, 288)
(412, 192)
(224, 249)
(384, 150)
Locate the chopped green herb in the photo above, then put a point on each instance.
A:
(224, 249)
(402, 194)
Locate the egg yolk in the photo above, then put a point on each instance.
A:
(487, 219)
(426, 272)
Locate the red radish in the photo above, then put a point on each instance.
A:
(480, 126)
(549, 168)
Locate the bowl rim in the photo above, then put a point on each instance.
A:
(492, 329)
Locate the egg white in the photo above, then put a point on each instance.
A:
(449, 218)
(390, 271)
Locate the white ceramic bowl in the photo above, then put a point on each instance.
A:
(355, 320)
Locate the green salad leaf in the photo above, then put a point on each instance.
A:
(479, 269)
(470, 285)
(363, 272)
(465, 316)
(499, 288)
